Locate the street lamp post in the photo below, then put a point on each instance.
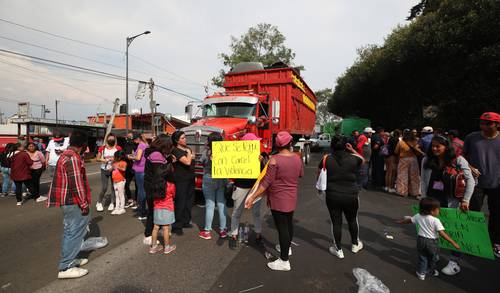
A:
(129, 41)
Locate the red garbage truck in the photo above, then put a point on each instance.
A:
(259, 100)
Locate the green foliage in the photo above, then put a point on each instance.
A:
(262, 43)
(447, 57)
(322, 114)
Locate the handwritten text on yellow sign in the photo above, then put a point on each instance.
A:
(236, 159)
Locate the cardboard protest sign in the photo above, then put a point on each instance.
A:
(468, 229)
(236, 159)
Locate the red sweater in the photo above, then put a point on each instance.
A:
(20, 166)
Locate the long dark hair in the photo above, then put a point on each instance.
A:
(176, 136)
(162, 144)
(338, 148)
(214, 136)
(449, 153)
(120, 156)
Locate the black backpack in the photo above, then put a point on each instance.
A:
(4, 160)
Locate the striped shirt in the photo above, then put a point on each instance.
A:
(69, 184)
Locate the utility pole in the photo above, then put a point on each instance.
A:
(112, 119)
(1, 116)
(57, 114)
(152, 104)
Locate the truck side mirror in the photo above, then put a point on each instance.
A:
(252, 120)
(276, 112)
(189, 111)
(168, 117)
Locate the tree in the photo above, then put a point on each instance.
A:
(262, 43)
(446, 59)
(322, 114)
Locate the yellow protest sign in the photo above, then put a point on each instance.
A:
(236, 159)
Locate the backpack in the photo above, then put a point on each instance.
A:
(156, 176)
(455, 176)
(5, 160)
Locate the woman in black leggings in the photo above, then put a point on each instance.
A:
(342, 192)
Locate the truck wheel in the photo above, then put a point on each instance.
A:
(307, 149)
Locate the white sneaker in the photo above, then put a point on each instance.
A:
(435, 273)
(279, 265)
(385, 188)
(81, 262)
(19, 203)
(111, 207)
(278, 249)
(338, 253)
(25, 194)
(357, 248)
(114, 212)
(121, 212)
(99, 207)
(72, 273)
(421, 277)
(41, 198)
(451, 269)
(392, 190)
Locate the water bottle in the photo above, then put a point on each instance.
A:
(240, 236)
(246, 233)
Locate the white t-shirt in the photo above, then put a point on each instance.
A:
(108, 153)
(53, 146)
(429, 226)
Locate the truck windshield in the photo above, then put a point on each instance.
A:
(239, 110)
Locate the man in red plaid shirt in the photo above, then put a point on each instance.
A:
(70, 190)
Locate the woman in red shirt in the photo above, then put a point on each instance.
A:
(281, 185)
(20, 171)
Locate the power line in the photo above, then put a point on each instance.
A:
(60, 36)
(102, 47)
(101, 73)
(58, 81)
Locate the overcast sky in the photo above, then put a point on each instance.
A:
(186, 38)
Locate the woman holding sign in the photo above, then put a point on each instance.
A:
(438, 183)
(213, 190)
(281, 185)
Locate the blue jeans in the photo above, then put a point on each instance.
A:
(75, 228)
(213, 190)
(428, 255)
(141, 194)
(6, 180)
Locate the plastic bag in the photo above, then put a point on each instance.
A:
(368, 283)
(93, 243)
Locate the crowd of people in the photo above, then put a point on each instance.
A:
(438, 165)
(400, 162)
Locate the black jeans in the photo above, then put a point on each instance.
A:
(35, 182)
(284, 224)
(183, 203)
(148, 230)
(476, 203)
(378, 173)
(19, 188)
(347, 205)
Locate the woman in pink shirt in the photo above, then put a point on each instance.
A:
(36, 171)
(281, 184)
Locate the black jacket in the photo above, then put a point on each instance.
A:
(156, 175)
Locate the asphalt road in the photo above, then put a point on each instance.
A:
(30, 239)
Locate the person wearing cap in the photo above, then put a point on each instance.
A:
(482, 150)
(427, 135)
(363, 148)
(281, 183)
(243, 187)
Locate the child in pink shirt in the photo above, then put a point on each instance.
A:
(164, 217)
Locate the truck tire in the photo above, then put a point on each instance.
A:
(307, 149)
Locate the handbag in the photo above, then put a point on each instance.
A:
(455, 175)
(321, 182)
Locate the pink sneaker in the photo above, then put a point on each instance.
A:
(223, 233)
(155, 249)
(169, 249)
(205, 235)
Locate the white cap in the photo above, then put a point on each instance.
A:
(368, 130)
(427, 129)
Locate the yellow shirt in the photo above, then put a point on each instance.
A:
(403, 149)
